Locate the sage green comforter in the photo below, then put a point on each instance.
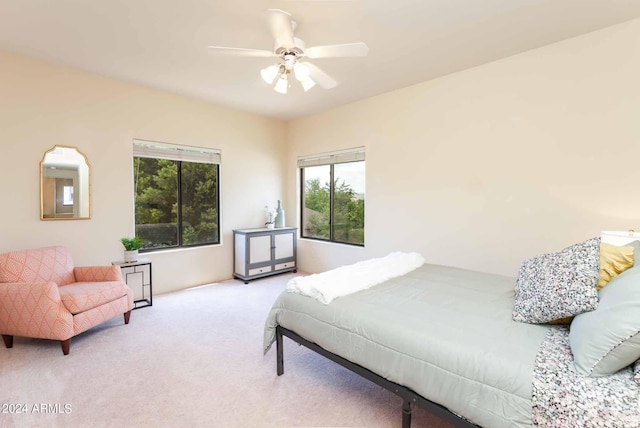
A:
(445, 333)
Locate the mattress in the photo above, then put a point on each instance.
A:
(446, 333)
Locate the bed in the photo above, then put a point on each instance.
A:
(442, 338)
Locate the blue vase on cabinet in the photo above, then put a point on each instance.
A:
(280, 215)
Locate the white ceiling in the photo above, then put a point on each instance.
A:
(163, 43)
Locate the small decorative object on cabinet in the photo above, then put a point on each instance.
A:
(263, 252)
(137, 275)
(279, 215)
(270, 214)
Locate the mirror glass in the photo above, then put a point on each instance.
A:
(64, 185)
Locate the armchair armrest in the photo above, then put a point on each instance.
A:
(34, 310)
(97, 273)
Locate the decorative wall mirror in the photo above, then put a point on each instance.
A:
(65, 185)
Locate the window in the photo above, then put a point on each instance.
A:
(333, 191)
(67, 195)
(176, 195)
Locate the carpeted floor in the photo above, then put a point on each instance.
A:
(192, 359)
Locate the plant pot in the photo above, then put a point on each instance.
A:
(131, 256)
(270, 225)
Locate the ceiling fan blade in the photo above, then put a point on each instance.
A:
(281, 26)
(334, 51)
(320, 77)
(241, 51)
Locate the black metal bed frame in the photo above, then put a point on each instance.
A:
(408, 396)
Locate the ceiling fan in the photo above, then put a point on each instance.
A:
(290, 51)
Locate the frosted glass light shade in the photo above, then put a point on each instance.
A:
(269, 74)
(282, 85)
(619, 237)
(301, 71)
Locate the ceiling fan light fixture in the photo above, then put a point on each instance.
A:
(282, 84)
(269, 74)
(289, 51)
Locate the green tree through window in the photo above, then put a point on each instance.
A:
(176, 203)
(333, 202)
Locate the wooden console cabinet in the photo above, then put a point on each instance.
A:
(263, 252)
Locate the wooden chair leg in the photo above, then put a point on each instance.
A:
(8, 340)
(127, 315)
(65, 344)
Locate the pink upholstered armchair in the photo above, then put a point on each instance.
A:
(42, 295)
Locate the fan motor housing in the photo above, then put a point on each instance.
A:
(297, 49)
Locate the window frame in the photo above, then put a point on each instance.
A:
(328, 159)
(179, 154)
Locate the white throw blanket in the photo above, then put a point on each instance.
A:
(349, 279)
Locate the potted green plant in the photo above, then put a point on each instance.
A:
(131, 247)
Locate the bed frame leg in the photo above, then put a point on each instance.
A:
(279, 352)
(406, 414)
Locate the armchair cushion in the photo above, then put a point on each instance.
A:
(82, 296)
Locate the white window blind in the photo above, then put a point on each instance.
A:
(350, 155)
(155, 150)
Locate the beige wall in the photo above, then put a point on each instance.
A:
(478, 169)
(42, 104)
(483, 168)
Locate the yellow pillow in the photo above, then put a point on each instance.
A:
(613, 261)
(561, 321)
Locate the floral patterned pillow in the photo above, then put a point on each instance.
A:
(558, 285)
